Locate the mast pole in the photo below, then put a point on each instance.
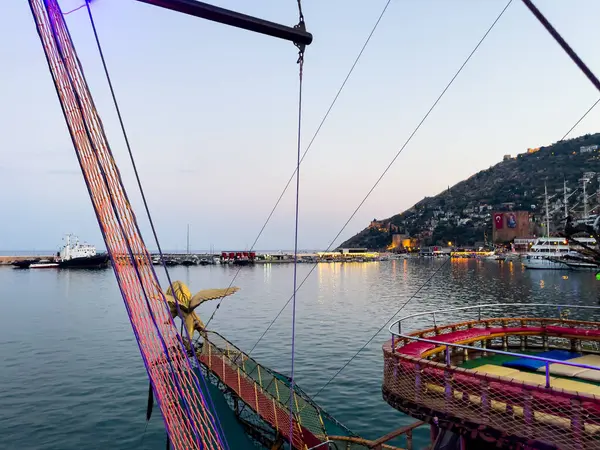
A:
(566, 199)
(547, 211)
(188, 239)
(585, 199)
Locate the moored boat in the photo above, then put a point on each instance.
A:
(76, 255)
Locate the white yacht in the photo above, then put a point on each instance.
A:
(557, 253)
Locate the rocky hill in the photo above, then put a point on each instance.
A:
(462, 213)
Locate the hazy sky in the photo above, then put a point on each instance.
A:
(211, 113)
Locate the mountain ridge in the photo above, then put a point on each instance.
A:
(462, 213)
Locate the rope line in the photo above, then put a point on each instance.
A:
(580, 119)
(329, 109)
(214, 418)
(382, 327)
(76, 9)
(391, 163)
(118, 226)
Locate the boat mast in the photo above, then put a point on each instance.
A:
(585, 199)
(566, 199)
(188, 240)
(547, 210)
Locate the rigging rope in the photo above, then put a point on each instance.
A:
(441, 95)
(580, 119)
(185, 413)
(212, 410)
(301, 49)
(382, 327)
(287, 185)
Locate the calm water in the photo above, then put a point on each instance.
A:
(72, 377)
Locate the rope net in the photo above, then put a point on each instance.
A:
(189, 423)
(496, 402)
(268, 393)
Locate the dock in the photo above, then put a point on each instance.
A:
(238, 257)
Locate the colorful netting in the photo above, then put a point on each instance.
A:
(188, 421)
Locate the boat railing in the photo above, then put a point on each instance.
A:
(479, 308)
(268, 393)
(422, 373)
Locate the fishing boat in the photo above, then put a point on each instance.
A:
(502, 375)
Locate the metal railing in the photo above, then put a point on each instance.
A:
(479, 309)
(448, 345)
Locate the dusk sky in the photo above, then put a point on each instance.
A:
(211, 113)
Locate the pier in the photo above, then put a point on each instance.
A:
(236, 257)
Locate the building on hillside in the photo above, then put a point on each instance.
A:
(507, 158)
(507, 226)
(403, 242)
(588, 149)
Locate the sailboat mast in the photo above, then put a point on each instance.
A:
(188, 239)
(585, 199)
(547, 211)
(565, 198)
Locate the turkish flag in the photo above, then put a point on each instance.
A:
(498, 221)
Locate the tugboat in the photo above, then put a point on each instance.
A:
(76, 255)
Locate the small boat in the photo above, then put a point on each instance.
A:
(43, 264)
(25, 263)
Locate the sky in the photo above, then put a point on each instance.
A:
(211, 113)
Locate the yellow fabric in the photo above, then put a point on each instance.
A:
(496, 370)
(501, 407)
(577, 386)
(589, 360)
(577, 372)
(561, 369)
(589, 374)
(531, 378)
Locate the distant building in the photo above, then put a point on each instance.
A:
(507, 158)
(588, 149)
(403, 242)
(507, 226)
(533, 150)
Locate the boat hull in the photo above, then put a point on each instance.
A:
(91, 262)
(44, 266)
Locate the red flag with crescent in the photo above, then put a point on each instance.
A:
(498, 221)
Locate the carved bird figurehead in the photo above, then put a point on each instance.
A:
(188, 303)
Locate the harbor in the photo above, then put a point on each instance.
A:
(204, 258)
(342, 296)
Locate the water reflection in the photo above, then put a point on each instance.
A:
(87, 366)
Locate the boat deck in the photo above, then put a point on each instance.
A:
(528, 380)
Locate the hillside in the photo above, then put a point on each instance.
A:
(462, 213)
